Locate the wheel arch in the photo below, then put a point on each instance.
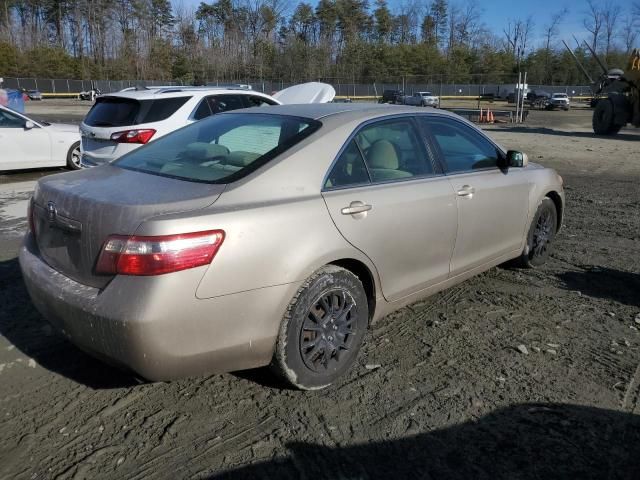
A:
(557, 201)
(362, 271)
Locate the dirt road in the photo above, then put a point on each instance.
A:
(513, 374)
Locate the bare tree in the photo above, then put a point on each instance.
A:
(468, 22)
(551, 28)
(517, 34)
(593, 22)
(629, 33)
(610, 13)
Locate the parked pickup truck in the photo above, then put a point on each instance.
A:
(421, 99)
(559, 100)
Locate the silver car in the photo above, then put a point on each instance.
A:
(276, 236)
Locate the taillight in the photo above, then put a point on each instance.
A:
(138, 255)
(133, 136)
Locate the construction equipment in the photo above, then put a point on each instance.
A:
(617, 93)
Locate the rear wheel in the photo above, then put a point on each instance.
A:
(322, 330)
(541, 235)
(73, 156)
(603, 118)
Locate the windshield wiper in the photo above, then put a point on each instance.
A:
(103, 124)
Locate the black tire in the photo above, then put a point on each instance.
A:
(603, 118)
(309, 337)
(73, 157)
(540, 236)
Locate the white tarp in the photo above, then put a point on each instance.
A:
(312, 92)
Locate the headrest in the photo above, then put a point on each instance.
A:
(382, 154)
(205, 151)
(240, 158)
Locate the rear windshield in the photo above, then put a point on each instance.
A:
(123, 112)
(220, 149)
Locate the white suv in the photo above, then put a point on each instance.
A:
(121, 122)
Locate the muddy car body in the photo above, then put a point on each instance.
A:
(190, 255)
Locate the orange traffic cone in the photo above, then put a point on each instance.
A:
(490, 116)
(481, 119)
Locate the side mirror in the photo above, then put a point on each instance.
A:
(517, 159)
(28, 125)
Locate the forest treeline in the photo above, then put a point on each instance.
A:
(349, 40)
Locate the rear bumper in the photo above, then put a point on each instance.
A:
(91, 158)
(136, 323)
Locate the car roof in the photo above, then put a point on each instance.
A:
(171, 92)
(317, 111)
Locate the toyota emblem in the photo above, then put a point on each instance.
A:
(51, 212)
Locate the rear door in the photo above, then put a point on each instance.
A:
(492, 203)
(389, 201)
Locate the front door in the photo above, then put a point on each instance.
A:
(386, 200)
(493, 203)
(22, 147)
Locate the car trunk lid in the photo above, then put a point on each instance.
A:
(74, 213)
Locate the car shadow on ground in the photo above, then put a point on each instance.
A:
(529, 441)
(606, 283)
(28, 331)
(562, 133)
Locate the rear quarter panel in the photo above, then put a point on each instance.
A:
(277, 227)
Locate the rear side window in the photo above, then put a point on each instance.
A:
(225, 103)
(113, 112)
(162, 109)
(349, 170)
(221, 148)
(218, 104)
(256, 101)
(393, 150)
(203, 110)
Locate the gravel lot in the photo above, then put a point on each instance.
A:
(513, 374)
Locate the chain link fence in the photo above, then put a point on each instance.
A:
(373, 89)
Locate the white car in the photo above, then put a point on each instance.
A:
(27, 143)
(119, 123)
(422, 99)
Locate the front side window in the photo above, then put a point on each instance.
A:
(10, 120)
(221, 148)
(462, 148)
(393, 150)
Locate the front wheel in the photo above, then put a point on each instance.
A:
(541, 235)
(322, 330)
(73, 157)
(603, 118)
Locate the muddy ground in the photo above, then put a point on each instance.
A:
(442, 388)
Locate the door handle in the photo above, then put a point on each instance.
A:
(355, 208)
(466, 191)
